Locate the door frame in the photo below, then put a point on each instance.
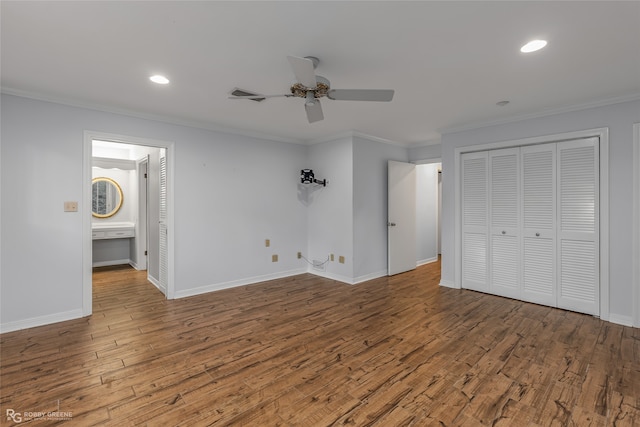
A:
(87, 246)
(636, 225)
(603, 135)
(142, 168)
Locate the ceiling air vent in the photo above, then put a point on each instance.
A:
(242, 92)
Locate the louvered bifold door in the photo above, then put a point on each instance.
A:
(538, 177)
(162, 225)
(504, 238)
(475, 221)
(578, 243)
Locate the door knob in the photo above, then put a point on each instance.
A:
(391, 224)
(537, 234)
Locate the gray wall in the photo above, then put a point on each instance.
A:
(231, 193)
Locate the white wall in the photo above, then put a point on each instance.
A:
(231, 192)
(330, 208)
(427, 212)
(370, 213)
(619, 118)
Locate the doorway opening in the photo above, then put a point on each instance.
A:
(138, 231)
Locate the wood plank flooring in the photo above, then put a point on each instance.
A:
(308, 351)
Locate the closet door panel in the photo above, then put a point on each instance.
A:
(504, 267)
(578, 175)
(538, 174)
(475, 221)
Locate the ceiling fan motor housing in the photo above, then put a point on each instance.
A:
(322, 87)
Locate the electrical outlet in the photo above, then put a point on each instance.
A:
(267, 243)
(274, 258)
(341, 259)
(299, 255)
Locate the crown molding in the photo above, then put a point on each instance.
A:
(427, 143)
(147, 116)
(543, 113)
(356, 134)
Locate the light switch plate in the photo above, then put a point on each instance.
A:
(71, 206)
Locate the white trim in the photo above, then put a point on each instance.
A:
(112, 262)
(136, 266)
(40, 321)
(354, 134)
(155, 282)
(370, 276)
(544, 113)
(87, 248)
(636, 226)
(621, 320)
(235, 283)
(148, 116)
(603, 135)
(107, 163)
(448, 284)
(426, 261)
(333, 276)
(426, 143)
(427, 161)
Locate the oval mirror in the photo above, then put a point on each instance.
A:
(106, 197)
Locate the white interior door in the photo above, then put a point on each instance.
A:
(578, 230)
(504, 250)
(162, 223)
(401, 223)
(539, 224)
(475, 214)
(141, 240)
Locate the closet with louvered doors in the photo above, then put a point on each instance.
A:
(530, 223)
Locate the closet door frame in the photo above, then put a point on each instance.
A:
(603, 135)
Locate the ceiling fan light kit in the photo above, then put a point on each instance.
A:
(312, 87)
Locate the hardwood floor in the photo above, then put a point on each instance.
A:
(308, 351)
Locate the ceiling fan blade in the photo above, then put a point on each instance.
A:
(383, 95)
(287, 95)
(303, 70)
(314, 111)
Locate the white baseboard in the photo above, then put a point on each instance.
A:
(155, 282)
(426, 261)
(332, 276)
(371, 276)
(40, 321)
(448, 284)
(620, 320)
(235, 283)
(111, 262)
(136, 266)
(348, 280)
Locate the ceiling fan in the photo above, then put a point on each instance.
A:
(312, 87)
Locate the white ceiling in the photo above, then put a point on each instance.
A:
(449, 62)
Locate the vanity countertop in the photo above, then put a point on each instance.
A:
(112, 230)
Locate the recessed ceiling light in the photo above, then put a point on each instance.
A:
(161, 80)
(533, 45)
